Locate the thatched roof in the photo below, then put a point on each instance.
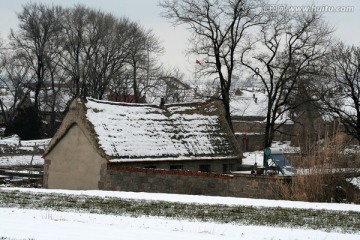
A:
(138, 132)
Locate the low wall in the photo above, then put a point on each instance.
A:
(189, 182)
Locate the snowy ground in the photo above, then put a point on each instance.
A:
(21, 160)
(49, 224)
(14, 140)
(355, 182)
(27, 148)
(42, 224)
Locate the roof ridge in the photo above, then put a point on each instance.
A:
(122, 103)
(198, 103)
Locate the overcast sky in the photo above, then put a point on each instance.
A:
(175, 41)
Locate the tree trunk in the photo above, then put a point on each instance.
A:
(53, 103)
(226, 102)
(267, 137)
(38, 86)
(135, 87)
(3, 112)
(225, 99)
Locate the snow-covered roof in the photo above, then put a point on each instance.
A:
(253, 103)
(143, 132)
(249, 103)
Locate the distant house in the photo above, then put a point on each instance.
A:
(248, 113)
(99, 135)
(171, 89)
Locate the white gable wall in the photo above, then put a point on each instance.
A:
(74, 163)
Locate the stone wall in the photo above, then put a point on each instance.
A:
(189, 182)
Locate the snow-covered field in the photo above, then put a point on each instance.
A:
(48, 224)
(14, 140)
(21, 160)
(42, 224)
(19, 152)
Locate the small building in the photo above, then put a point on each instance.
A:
(248, 113)
(96, 136)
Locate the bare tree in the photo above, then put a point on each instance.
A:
(144, 50)
(53, 100)
(217, 27)
(106, 50)
(100, 48)
(14, 77)
(39, 25)
(289, 48)
(73, 43)
(153, 68)
(91, 51)
(170, 87)
(342, 98)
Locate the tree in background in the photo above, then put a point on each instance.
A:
(93, 49)
(144, 49)
(290, 49)
(137, 57)
(25, 122)
(173, 88)
(342, 91)
(217, 29)
(15, 76)
(89, 52)
(52, 98)
(106, 51)
(39, 26)
(20, 116)
(72, 49)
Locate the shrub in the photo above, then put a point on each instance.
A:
(322, 172)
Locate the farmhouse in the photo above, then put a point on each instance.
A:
(96, 137)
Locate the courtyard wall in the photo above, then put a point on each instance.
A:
(117, 178)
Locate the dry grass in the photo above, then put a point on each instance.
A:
(323, 170)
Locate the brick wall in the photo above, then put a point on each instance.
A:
(188, 182)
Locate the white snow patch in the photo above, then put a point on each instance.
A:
(250, 103)
(45, 224)
(356, 182)
(21, 160)
(253, 103)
